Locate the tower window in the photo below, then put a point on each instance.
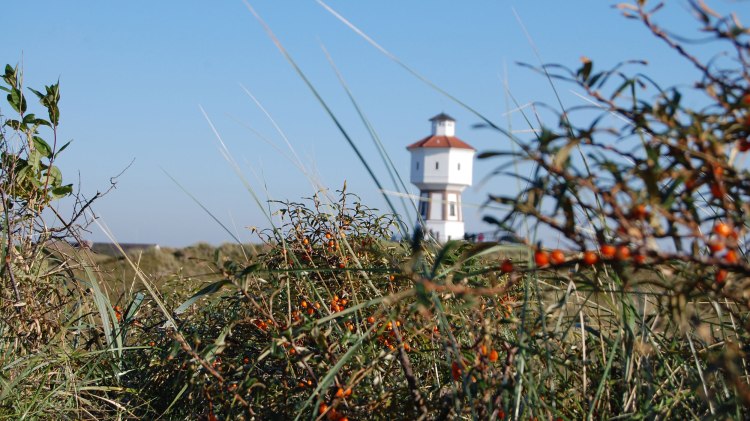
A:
(452, 210)
(437, 165)
(417, 164)
(459, 166)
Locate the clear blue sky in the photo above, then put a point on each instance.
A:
(134, 75)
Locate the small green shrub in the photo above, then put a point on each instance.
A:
(54, 325)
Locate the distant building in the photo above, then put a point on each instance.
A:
(111, 249)
(441, 167)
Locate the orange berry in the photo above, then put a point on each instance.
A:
(541, 258)
(639, 212)
(608, 251)
(340, 393)
(557, 257)
(623, 253)
(392, 278)
(716, 246)
(493, 356)
(590, 258)
(721, 276)
(303, 304)
(506, 266)
(483, 349)
(407, 348)
(746, 99)
(328, 236)
(722, 229)
(323, 408)
(639, 259)
(731, 257)
(371, 319)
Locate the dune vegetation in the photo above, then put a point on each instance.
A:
(641, 312)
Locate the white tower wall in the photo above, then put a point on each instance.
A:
(434, 168)
(441, 167)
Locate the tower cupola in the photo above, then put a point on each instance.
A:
(443, 125)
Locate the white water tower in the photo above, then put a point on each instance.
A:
(441, 167)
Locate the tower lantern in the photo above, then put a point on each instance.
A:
(441, 167)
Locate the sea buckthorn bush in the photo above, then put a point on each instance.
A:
(627, 298)
(294, 336)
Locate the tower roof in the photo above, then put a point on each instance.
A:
(442, 116)
(433, 141)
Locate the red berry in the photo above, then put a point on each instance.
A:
(456, 371)
(721, 276)
(722, 229)
(541, 258)
(731, 257)
(608, 251)
(640, 212)
(590, 258)
(623, 253)
(506, 266)
(557, 257)
(716, 246)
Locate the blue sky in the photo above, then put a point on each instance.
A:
(134, 76)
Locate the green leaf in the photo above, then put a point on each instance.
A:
(37, 93)
(55, 176)
(13, 124)
(42, 146)
(62, 191)
(210, 289)
(62, 148)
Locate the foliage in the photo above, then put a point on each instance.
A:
(657, 192)
(54, 326)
